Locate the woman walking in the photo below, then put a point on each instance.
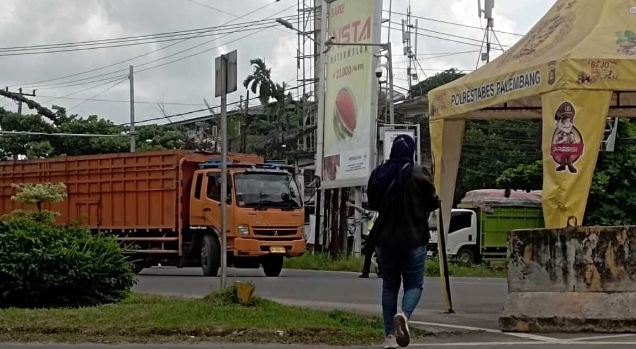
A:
(404, 195)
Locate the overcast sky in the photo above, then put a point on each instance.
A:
(36, 22)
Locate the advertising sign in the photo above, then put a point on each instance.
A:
(351, 93)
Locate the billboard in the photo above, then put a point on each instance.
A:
(351, 93)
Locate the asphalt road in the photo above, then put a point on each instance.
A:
(477, 302)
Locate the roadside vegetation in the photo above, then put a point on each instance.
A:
(325, 262)
(46, 265)
(217, 317)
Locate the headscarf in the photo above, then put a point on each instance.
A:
(393, 174)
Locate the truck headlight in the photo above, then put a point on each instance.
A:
(243, 230)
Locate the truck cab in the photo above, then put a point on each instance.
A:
(463, 236)
(265, 216)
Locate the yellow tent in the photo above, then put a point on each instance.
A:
(576, 67)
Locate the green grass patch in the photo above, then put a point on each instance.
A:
(147, 318)
(325, 262)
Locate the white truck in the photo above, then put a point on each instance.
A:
(479, 227)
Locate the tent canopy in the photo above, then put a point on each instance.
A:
(575, 68)
(578, 44)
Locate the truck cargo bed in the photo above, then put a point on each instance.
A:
(127, 191)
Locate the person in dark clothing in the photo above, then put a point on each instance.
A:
(366, 267)
(404, 195)
(367, 251)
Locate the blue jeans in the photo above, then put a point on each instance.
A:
(397, 266)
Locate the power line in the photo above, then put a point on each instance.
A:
(138, 56)
(100, 93)
(118, 45)
(453, 23)
(440, 38)
(211, 7)
(177, 53)
(447, 34)
(204, 51)
(80, 91)
(227, 13)
(204, 109)
(123, 101)
(75, 82)
(175, 35)
(446, 55)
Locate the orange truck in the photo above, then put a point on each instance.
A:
(165, 206)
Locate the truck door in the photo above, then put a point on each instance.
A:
(196, 202)
(461, 232)
(212, 202)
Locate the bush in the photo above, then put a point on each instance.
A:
(43, 265)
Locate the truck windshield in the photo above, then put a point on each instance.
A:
(267, 190)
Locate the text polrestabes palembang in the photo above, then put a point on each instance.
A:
(495, 89)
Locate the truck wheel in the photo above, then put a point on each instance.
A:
(466, 256)
(272, 266)
(210, 256)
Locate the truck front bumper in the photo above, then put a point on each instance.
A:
(259, 248)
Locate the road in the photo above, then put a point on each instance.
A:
(477, 302)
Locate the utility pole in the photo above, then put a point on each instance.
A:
(133, 133)
(489, 33)
(320, 117)
(20, 102)
(391, 104)
(246, 115)
(226, 82)
(21, 94)
(410, 51)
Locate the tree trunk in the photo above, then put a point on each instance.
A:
(335, 224)
(245, 125)
(344, 223)
(326, 219)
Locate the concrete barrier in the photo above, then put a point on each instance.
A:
(579, 279)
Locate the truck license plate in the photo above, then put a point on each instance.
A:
(277, 249)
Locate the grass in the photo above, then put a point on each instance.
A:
(156, 319)
(325, 262)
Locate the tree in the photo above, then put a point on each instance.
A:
(260, 80)
(159, 137)
(72, 146)
(12, 146)
(612, 199)
(37, 194)
(435, 81)
(492, 147)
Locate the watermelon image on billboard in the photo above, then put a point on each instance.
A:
(345, 114)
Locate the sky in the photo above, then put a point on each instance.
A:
(182, 84)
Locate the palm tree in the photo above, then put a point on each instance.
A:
(260, 80)
(280, 110)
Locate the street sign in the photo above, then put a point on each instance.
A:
(225, 82)
(226, 73)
